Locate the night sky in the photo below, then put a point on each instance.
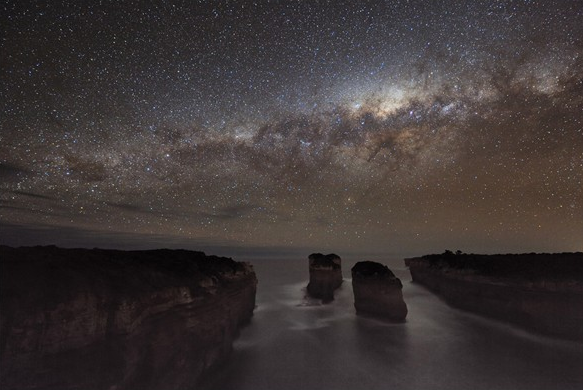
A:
(281, 127)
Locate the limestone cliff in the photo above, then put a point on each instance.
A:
(540, 292)
(104, 319)
(325, 275)
(377, 291)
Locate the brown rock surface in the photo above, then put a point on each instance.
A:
(104, 319)
(325, 275)
(377, 291)
(540, 292)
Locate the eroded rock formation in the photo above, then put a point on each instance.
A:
(377, 291)
(104, 319)
(540, 292)
(325, 275)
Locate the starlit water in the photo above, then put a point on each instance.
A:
(297, 343)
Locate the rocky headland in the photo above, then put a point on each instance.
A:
(325, 275)
(377, 291)
(539, 292)
(106, 319)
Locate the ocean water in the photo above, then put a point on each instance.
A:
(294, 342)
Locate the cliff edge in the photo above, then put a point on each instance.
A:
(106, 319)
(539, 292)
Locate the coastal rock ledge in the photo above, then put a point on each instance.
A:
(377, 291)
(325, 275)
(106, 319)
(539, 292)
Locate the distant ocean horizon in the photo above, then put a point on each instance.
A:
(15, 235)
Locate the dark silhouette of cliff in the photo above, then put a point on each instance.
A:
(101, 319)
(541, 292)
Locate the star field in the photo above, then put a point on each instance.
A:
(373, 127)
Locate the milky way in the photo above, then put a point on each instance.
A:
(369, 127)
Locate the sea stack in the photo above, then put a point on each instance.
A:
(105, 319)
(325, 275)
(377, 291)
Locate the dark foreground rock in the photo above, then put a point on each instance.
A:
(540, 292)
(325, 275)
(104, 319)
(377, 291)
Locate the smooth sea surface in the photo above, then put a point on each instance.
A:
(294, 342)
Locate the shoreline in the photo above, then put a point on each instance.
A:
(545, 298)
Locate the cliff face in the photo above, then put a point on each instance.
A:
(543, 292)
(325, 275)
(377, 291)
(101, 319)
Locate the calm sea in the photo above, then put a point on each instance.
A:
(297, 343)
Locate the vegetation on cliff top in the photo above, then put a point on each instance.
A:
(318, 260)
(55, 274)
(367, 269)
(526, 265)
